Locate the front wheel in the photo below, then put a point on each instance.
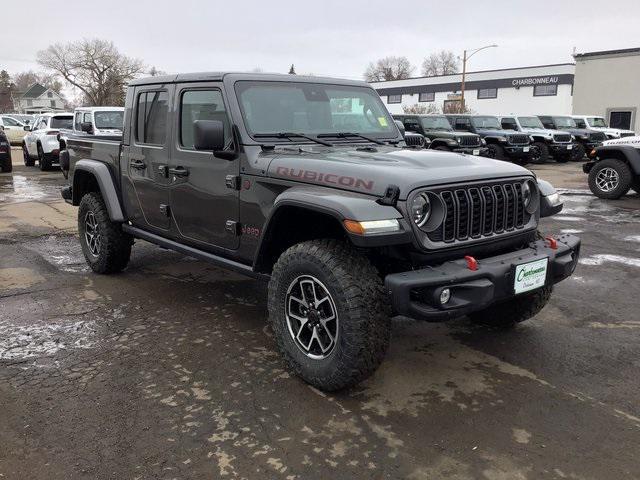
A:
(105, 246)
(495, 151)
(539, 152)
(6, 166)
(513, 311)
(610, 179)
(329, 313)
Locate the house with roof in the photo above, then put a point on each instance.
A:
(38, 99)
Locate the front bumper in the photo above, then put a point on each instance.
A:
(482, 151)
(415, 293)
(520, 151)
(561, 149)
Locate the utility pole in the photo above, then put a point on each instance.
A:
(466, 57)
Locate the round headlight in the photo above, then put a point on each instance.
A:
(530, 197)
(420, 209)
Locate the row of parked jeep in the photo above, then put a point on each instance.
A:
(520, 139)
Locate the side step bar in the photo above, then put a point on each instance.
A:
(193, 252)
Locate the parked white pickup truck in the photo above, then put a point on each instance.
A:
(598, 123)
(98, 121)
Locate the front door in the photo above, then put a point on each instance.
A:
(203, 205)
(145, 160)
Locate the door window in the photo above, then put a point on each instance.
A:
(10, 122)
(151, 117)
(201, 105)
(463, 124)
(509, 124)
(78, 121)
(620, 120)
(412, 125)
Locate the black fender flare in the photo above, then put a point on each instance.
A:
(492, 139)
(627, 153)
(550, 203)
(449, 142)
(105, 181)
(340, 205)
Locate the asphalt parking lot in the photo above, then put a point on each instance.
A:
(169, 370)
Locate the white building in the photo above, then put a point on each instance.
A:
(607, 86)
(38, 99)
(525, 90)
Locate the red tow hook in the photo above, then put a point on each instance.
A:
(553, 243)
(472, 263)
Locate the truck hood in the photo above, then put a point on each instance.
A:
(448, 133)
(615, 131)
(371, 171)
(488, 132)
(544, 131)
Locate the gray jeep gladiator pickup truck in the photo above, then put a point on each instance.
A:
(249, 171)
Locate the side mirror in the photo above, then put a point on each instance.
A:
(27, 128)
(208, 135)
(400, 126)
(86, 127)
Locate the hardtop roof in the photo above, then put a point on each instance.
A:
(219, 76)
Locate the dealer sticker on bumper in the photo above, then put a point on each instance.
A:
(569, 147)
(525, 149)
(530, 276)
(476, 152)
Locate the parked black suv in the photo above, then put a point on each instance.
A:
(5, 154)
(442, 135)
(501, 144)
(250, 172)
(585, 139)
(546, 143)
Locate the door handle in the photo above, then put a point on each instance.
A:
(179, 172)
(138, 165)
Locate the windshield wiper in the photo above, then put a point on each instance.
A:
(289, 135)
(350, 134)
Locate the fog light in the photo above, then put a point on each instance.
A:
(445, 295)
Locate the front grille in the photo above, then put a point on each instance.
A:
(562, 138)
(597, 137)
(415, 140)
(478, 211)
(470, 141)
(519, 139)
(629, 134)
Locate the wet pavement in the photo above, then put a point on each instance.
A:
(169, 370)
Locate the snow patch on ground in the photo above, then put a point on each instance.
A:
(601, 258)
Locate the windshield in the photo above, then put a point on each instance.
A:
(109, 120)
(62, 122)
(530, 122)
(312, 109)
(436, 123)
(486, 122)
(564, 122)
(597, 122)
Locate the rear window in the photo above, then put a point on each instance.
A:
(62, 122)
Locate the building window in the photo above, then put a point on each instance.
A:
(545, 90)
(53, 104)
(50, 94)
(29, 103)
(151, 117)
(427, 97)
(487, 93)
(620, 119)
(394, 99)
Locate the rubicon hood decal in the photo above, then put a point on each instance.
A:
(326, 178)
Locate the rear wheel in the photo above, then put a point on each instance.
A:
(495, 151)
(577, 152)
(105, 246)
(28, 161)
(610, 178)
(43, 161)
(5, 165)
(539, 152)
(329, 313)
(513, 311)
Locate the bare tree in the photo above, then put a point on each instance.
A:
(292, 70)
(389, 68)
(418, 109)
(444, 62)
(95, 67)
(24, 80)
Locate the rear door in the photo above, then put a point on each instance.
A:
(145, 160)
(204, 201)
(13, 129)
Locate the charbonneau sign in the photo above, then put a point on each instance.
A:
(513, 82)
(524, 82)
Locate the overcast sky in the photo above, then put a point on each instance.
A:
(334, 38)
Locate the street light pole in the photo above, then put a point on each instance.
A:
(466, 57)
